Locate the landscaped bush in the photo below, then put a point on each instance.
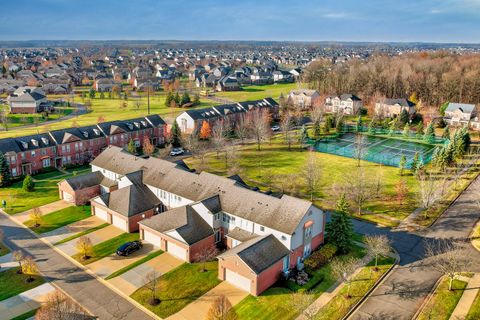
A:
(320, 257)
(28, 184)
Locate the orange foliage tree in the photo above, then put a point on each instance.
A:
(205, 130)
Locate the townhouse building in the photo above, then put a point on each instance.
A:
(462, 114)
(347, 104)
(392, 108)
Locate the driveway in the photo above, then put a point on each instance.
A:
(133, 279)
(198, 309)
(45, 209)
(96, 237)
(72, 229)
(108, 265)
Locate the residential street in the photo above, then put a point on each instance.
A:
(403, 292)
(90, 293)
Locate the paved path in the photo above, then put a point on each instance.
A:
(69, 230)
(25, 301)
(468, 296)
(45, 209)
(198, 309)
(90, 293)
(403, 292)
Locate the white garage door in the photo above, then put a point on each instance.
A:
(119, 223)
(177, 251)
(237, 280)
(102, 214)
(152, 238)
(67, 196)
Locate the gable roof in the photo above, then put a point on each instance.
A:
(464, 107)
(402, 102)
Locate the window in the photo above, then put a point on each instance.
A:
(32, 154)
(284, 238)
(14, 172)
(44, 152)
(68, 148)
(46, 163)
(76, 146)
(262, 228)
(63, 148)
(23, 155)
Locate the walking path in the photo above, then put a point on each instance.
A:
(25, 301)
(466, 301)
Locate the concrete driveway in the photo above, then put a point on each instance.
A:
(96, 237)
(198, 309)
(45, 209)
(108, 265)
(133, 279)
(72, 229)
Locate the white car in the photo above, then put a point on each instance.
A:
(176, 152)
(275, 128)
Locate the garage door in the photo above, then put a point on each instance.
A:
(102, 214)
(237, 280)
(152, 238)
(119, 223)
(67, 196)
(177, 251)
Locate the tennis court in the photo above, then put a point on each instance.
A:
(376, 149)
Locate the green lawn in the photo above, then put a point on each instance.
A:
(179, 287)
(259, 92)
(474, 312)
(279, 165)
(60, 218)
(338, 307)
(3, 249)
(46, 191)
(443, 302)
(83, 233)
(12, 283)
(274, 302)
(135, 264)
(26, 315)
(106, 248)
(18, 120)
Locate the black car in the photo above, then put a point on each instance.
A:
(129, 247)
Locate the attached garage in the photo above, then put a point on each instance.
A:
(102, 214)
(237, 280)
(177, 251)
(152, 238)
(119, 223)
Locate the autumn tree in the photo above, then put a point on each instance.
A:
(35, 216)
(148, 147)
(359, 188)
(241, 128)
(18, 255)
(401, 191)
(221, 309)
(30, 268)
(205, 130)
(429, 190)
(287, 129)
(218, 137)
(360, 147)
(84, 246)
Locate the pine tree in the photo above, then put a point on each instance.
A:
(404, 117)
(371, 128)
(196, 100)
(28, 184)
(176, 98)
(92, 93)
(169, 99)
(339, 127)
(131, 147)
(429, 135)
(419, 129)
(406, 131)
(339, 230)
(402, 164)
(415, 161)
(5, 177)
(359, 124)
(176, 135)
(317, 130)
(446, 133)
(303, 135)
(185, 99)
(443, 107)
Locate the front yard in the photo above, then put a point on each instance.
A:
(12, 283)
(60, 218)
(179, 287)
(3, 249)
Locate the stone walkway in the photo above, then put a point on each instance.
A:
(45, 209)
(25, 301)
(466, 301)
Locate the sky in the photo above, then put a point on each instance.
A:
(281, 20)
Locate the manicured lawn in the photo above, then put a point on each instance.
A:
(274, 302)
(3, 249)
(338, 307)
(85, 232)
(474, 312)
(108, 247)
(259, 92)
(60, 218)
(110, 109)
(26, 315)
(18, 120)
(48, 175)
(135, 264)
(179, 287)
(278, 164)
(443, 302)
(12, 283)
(18, 200)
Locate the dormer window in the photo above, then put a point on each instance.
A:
(85, 134)
(96, 131)
(24, 145)
(144, 123)
(130, 126)
(137, 124)
(34, 142)
(45, 141)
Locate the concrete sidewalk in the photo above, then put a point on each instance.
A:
(69, 230)
(468, 296)
(25, 301)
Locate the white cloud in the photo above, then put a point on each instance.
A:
(338, 15)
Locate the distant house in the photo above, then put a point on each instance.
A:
(303, 98)
(392, 108)
(346, 103)
(228, 83)
(28, 100)
(105, 85)
(461, 114)
(282, 76)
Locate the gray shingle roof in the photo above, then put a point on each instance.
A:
(467, 108)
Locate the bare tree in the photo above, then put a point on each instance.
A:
(192, 144)
(360, 148)
(59, 307)
(4, 118)
(84, 247)
(359, 188)
(241, 129)
(448, 258)
(18, 255)
(150, 283)
(311, 173)
(300, 302)
(287, 129)
(378, 246)
(221, 309)
(259, 126)
(344, 268)
(204, 255)
(231, 156)
(318, 112)
(218, 137)
(429, 190)
(36, 216)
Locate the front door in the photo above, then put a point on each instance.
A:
(27, 169)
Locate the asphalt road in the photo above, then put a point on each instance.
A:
(90, 293)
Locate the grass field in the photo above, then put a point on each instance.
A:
(12, 283)
(179, 287)
(60, 218)
(18, 120)
(259, 92)
(474, 312)
(275, 165)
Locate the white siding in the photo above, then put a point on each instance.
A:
(317, 217)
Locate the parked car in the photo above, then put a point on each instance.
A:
(276, 128)
(129, 247)
(176, 152)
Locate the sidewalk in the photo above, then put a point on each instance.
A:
(25, 301)
(7, 262)
(466, 301)
(45, 209)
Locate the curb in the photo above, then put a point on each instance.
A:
(428, 298)
(85, 269)
(382, 279)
